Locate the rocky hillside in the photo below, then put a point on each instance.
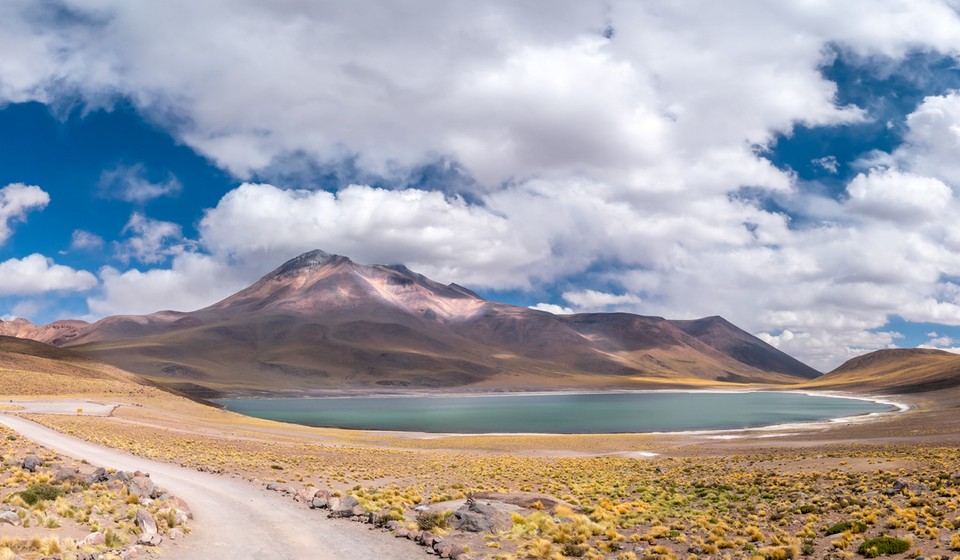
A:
(898, 370)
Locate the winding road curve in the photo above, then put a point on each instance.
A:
(233, 518)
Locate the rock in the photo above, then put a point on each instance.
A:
(303, 494)
(393, 525)
(69, 474)
(320, 499)
(176, 533)
(141, 486)
(179, 517)
(402, 533)
(99, 475)
(378, 518)
(480, 518)
(334, 502)
(150, 540)
(182, 507)
(31, 463)
(9, 517)
(94, 539)
(146, 522)
(348, 506)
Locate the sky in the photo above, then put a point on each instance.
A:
(793, 166)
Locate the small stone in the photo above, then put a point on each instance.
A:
(175, 533)
(150, 540)
(94, 539)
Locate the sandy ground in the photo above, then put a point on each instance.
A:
(233, 518)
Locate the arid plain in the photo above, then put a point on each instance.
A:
(865, 487)
(818, 491)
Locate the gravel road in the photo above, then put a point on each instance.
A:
(233, 518)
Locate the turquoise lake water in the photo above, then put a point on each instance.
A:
(659, 411)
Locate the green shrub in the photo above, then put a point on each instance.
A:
(872, 548)
(575, 550)
(428, 520)
(40, 492)
(805, 509)
(854, 526)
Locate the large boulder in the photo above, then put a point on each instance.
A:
(146, 522)
(183, 507)
(475, 517)
(142, 487)
(320, 500)
(94, 539)
(10, 517)
(70, 475)
(347, 506)
(303, 494)
(99, 475)
(31, 463)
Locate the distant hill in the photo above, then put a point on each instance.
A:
(321, 322)
(29, 368)
(899, 370)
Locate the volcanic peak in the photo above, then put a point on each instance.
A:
(307, 261)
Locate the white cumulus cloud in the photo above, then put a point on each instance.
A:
(150, 241)
(192, 281)
(36, 274)
(16, 200)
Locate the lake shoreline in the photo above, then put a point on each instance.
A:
(768, 430)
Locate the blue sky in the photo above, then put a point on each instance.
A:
(792, 167)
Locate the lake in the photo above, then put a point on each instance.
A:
(558, 413)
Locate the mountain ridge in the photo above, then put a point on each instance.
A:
(322, 322)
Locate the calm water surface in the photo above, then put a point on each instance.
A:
(557, 413)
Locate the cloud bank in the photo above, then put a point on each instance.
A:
(611, 146)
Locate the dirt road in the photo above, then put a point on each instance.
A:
(233, 518)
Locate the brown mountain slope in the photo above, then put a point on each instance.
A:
(29, 368)
(321, 322)
(900, 370)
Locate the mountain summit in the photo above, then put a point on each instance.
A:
(321, 322)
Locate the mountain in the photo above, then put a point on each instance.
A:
(898, 370)
(321, 322)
